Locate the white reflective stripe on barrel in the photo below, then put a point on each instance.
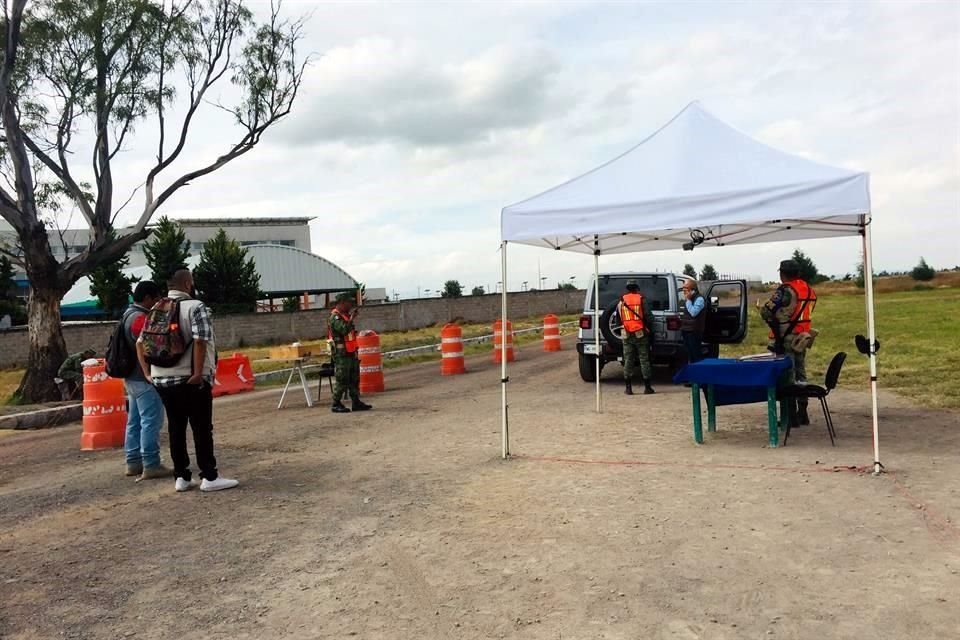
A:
(551, 326)
(557, 337)
(104, 409)
(374, 369)
(453, 354)
(451, 340)
(368, 350)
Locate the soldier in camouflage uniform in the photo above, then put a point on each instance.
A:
(787, 313)
(637, 323)
(70, 374)
(346, 361)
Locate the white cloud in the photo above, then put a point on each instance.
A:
(420, 121)
(379, 89)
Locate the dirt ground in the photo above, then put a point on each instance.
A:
(404, 523)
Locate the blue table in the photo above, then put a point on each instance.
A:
(730, 381)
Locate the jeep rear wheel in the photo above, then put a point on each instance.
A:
(588, 368)
(611, 327)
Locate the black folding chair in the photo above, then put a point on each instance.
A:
(794, 391)
(326, 371)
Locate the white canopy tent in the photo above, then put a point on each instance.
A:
(695, 181)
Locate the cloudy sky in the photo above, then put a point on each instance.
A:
(418, 122)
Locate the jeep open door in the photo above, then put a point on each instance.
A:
(726, 321)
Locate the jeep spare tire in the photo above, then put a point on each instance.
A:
(611, 327)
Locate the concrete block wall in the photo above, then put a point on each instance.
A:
(278, 328)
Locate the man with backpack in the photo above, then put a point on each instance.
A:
(178, 344)
(144, 407)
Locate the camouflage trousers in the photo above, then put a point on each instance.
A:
(797, 373)
(636, 351)
(346, 377)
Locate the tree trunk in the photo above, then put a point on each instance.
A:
(47, 347)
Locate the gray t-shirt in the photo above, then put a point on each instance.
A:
(129, 317)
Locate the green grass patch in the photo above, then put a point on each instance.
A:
(917, 332)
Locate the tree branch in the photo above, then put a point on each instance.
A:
(15, 258)
(104, 251)
(63, 173)
(238, 150)
(23, 176)
(125, 203)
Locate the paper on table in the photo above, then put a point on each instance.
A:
(760, 356)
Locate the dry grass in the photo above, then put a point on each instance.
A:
(9, 381)
(918, 335)
(893, 284)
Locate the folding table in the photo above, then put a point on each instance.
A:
(732, 381)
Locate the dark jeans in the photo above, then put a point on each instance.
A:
(692, 342)
(194, 404)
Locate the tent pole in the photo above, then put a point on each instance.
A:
(596, 304)
(504, 423)
(871, 336)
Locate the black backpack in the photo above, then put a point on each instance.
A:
(121, 358)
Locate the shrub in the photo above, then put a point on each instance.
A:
(923, 271)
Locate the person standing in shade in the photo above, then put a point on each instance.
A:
(636, 342)
(787, 313)
(346, 360)
(186, 388)
(144, 406)
(693, 321)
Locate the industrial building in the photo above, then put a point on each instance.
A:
(287, 232)
(280, 247)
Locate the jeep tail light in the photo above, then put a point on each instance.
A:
(585, 322)
(673, 323)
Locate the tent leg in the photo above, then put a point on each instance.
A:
(504, 422)
(871, 336)
(596, 304)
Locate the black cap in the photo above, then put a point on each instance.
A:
(789, 268)
(632, 284)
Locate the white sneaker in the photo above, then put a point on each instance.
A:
(218, 485)
(183, 484)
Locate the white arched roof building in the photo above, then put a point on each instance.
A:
(284, 272)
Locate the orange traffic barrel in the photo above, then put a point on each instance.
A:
(551, 333)
(104, 409)
(371, 362)
(451, 350)
(498, 341)
(234, 375)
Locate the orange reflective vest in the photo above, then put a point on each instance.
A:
(631, 312)
(799, 321)
(348, 341)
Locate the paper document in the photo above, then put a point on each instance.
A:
(759, 356)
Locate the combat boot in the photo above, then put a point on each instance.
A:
(629, 389)
(360, 405)
(802, 417)
(339, 408)
(647, 389)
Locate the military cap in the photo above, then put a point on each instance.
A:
(632, 284)
(789, 267)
